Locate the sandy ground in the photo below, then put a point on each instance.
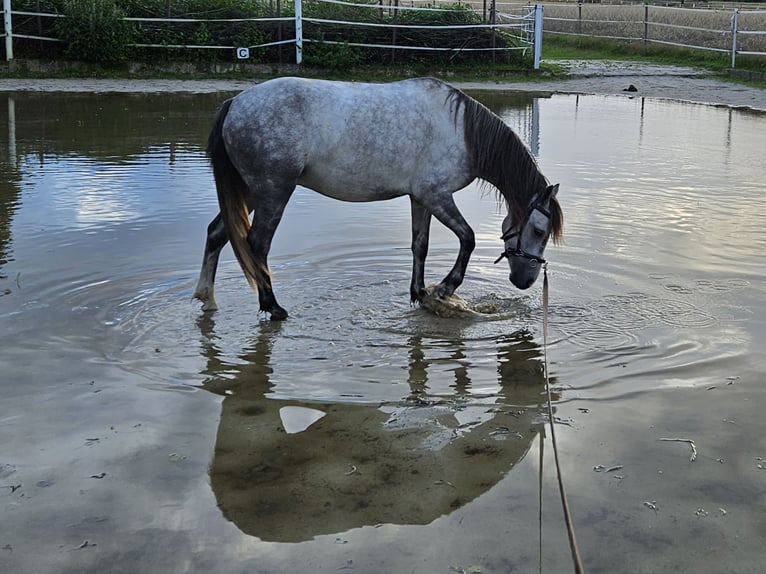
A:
(585, 77)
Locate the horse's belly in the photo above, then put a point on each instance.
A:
(355, 187)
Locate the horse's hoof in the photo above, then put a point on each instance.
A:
(441, 291)
(208, 304)
(418, 295)
(278, 314)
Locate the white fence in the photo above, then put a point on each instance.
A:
(521, 23)
(734, 31)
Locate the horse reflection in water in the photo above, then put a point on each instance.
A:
(353, 465)
(419, 138)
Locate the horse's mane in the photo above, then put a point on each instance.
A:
(500, 158)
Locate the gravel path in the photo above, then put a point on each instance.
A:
(585, 77)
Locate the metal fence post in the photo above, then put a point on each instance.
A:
(538, 35)
(646, 25)
(298, 32)
(734, 26)
(8, 30)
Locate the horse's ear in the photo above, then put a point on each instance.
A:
(551, 191)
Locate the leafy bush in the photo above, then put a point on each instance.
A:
(95, 31)
(335, 56)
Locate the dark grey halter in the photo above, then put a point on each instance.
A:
(518, 251)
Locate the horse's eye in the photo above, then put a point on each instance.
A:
(539, 232)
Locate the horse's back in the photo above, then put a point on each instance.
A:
(346, 139)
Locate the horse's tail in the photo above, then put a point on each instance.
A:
(232, 191)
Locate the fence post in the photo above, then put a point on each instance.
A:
(538, 51)
(298, 32)
(493, 21)
(734, 26)
(8, 30)
(646, 25)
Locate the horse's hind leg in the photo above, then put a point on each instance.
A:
(266, 218)
(216, 239)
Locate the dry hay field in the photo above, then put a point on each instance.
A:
(705, 25)
(693, 27)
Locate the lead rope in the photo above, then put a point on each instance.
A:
(578, 568)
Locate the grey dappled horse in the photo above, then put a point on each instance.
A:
(367, 142)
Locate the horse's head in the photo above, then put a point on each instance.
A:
(525, 240)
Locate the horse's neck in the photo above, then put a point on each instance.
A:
(500, 157)
(516, 176)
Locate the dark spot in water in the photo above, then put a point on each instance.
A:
(250, 410)
(474, 450)
(260, 473)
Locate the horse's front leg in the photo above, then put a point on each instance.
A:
(443, 207)
(421, 226)
(216, 239)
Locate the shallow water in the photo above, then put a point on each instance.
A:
(363, 433)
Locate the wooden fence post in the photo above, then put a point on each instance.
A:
(8, 30)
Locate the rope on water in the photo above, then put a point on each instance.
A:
(578, 568)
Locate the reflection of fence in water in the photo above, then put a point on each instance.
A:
(523, 116)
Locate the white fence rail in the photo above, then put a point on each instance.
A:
(733, 31)
(522, 23)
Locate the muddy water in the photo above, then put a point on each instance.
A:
(139, 435)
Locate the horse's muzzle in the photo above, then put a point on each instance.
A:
(524, 277)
